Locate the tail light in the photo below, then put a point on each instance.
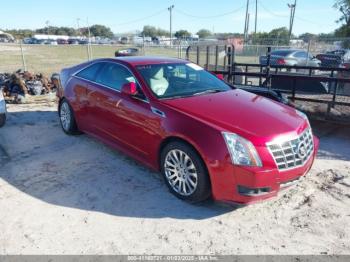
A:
(281, 61)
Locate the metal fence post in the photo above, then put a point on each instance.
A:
(88, 52)
(233, 64)
(207, 58)
(268, 66)
(23, 58)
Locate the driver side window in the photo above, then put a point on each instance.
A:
(114, 76)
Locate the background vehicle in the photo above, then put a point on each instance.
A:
(62, 41)
(127, 52)
(334, 58)
(291, 57)
(2, 110)
(73, 41)
(179, 119)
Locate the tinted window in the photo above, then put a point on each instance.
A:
(281, 52)
(90, 72)
(114, 76)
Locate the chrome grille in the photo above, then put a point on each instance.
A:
(292, 153)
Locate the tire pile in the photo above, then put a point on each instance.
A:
(17, 86)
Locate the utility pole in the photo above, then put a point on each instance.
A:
(291, 20)
(256, 16)
(78, 20)
(246, 23)
(171, 23)
(89, 40)
(47, 26)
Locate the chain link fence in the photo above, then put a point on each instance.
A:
(48, 59)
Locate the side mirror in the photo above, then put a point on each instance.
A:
(129, 89)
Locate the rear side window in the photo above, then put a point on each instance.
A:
(301, 54)
(90, 72)
(114, 76)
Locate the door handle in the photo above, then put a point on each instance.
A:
(158, 112)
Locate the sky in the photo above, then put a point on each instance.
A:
(314, 16)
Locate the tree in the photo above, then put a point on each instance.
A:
(306, 37)
(344, 7)
(278, 36)
(20, 33)
(149, 31)
(281, 35)
(152, 31)
(53, 30)
(203, 33)
(182, 34)
(344, 30)
(99, 30)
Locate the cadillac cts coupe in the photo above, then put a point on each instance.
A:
(206, 137)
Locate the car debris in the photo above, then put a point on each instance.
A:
(17, 86)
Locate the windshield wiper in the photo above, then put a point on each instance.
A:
(210, 91)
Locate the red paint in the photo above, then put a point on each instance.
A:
(129, 124)
(281, 61)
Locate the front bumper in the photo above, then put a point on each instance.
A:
(244, 185)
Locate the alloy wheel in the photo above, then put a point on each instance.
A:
(181, 172)
(65, 116)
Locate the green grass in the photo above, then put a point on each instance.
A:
(49, 59)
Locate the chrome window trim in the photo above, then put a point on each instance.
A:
(93, 82)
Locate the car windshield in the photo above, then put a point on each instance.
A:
(180, 80)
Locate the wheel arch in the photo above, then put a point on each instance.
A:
(171, 139)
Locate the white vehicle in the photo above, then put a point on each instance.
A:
(2, 110)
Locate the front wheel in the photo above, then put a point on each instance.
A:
(185, 173)
(67, 119)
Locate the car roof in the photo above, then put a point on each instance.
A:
(148, 60)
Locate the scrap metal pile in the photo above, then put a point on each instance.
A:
(17, 86)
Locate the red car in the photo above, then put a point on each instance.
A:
(205, 137)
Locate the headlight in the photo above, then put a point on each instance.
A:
(303, 115)
(241, 150)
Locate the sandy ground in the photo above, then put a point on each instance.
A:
(73, 195)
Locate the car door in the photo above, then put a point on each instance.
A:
(103, 96)
(81, 81)
(301, 57)
(118, 118)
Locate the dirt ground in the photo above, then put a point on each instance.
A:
(73, 195)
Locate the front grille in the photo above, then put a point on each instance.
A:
(292, 153)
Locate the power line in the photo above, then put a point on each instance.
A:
(143, 18)
(210, 16)
(270, 12)
(309, 21)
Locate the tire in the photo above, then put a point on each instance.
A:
(2, 120)
(187, 179)
(67, 119)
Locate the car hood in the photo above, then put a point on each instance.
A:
(251, 116)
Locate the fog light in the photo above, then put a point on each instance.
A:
(247, 191)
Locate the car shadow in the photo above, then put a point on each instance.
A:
(79, 172)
